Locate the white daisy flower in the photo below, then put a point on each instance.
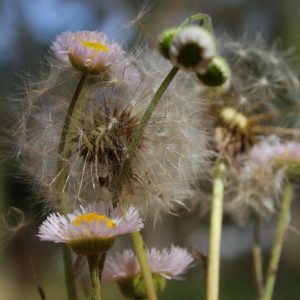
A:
(124, 268)
(90, 230)
(192, 49)
(90, 51)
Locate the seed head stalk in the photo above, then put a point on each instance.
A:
(215, 232)
(67, 257)
(278, 243)
(136, 137)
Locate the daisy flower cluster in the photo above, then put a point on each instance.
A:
(172, 155)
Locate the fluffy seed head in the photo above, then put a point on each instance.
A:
(91, 230)
(171, 157)
(192, 49)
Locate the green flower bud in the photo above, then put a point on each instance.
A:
(133, 287)
(217, 74)
(165, 39)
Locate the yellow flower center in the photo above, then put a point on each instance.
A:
(94, 217)
(95, 46)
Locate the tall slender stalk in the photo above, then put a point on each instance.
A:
(139, 248)
(139, 131)
(258, 257)
(67, 257)
(93, 262)
(215, 233)
(63, 140)
(278, 243)
(136, 137)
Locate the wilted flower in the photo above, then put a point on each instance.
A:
(275, 153)
(91, 230)
(125, 270)
(257, 184)
(192, 49)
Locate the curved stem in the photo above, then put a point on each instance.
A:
(139, 131)
(140, 248)
(61, 178)
(94, 275)
(215, 233)
(136, 137)
(277, 247)
(258, 257)
(62, 143)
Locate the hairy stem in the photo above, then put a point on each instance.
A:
(278, 243)
(215, 233)
(67, 256)
(258, 257)
(136, 137)
(62, 142)
(139, 131)
(140, 250)
(93, 262)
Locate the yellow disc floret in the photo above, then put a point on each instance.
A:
(95, 46)
(94, 217)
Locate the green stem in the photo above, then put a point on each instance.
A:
(139, 131)
(258, 257)
(69, 274)
(140, 251)
(61, 178)
(93, 262)
(136, 137)
(278, 243)
(63, 139)
(215, 233)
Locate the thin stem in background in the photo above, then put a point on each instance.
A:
(139, 248)
(67, 256)
(93, 262)
(69, 273)
(278, 243)
(258, 257)
(215, 233)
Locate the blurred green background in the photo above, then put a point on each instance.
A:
(27, 27)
